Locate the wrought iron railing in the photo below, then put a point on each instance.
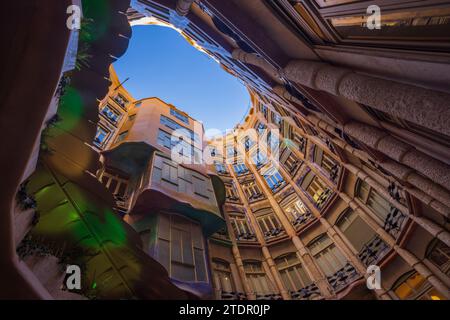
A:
(394, 221)
(343, 277)
(307, 293)
(373, 251)
(302, 219)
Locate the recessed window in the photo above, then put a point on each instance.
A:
(292, 273)
(111, 114)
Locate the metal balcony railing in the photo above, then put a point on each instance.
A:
(373, 251)
(343, 277)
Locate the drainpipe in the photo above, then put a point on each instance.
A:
(183, 7)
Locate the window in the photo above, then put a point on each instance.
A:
(327, 255)
(111, 114)
(413, 286)
(137, 105)
(290, 161)
(222, 276)
(273, 178)
(252, 191)
(240, 169)
(231, 193)
(269, 225)
(220, 167)
(132, 117)
(292, 272)
(169, 123)
(180, 248)
(260, 128)
(356, 230)
(121, 136)
(297, 212)
(121, 100)
(380, 206)
(241, 228)
(101, 136)
(316, 189)
(164, 139)
(276, 118)
(325, 161)
(257, 278)
(115, 183)
(259, 159)
(439, 254)
(179, 116)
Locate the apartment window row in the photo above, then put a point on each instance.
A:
(180, 248)
(184, 149)
(220, 167)
(268, 223)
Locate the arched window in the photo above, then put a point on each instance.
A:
(292, 272)
(412, 286)
(223, 277)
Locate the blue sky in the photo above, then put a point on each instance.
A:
(161, 63)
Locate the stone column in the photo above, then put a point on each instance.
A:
(260, 237)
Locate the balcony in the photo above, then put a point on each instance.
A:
(246, 236)
(302, 219)
(273, 233)
(121, 102)
(256, 197)
(309, 292)
(323, 198)
(373, 251)
(343, 277)
(334, 173)
(394, 222)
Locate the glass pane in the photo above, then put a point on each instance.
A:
(200, 265)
